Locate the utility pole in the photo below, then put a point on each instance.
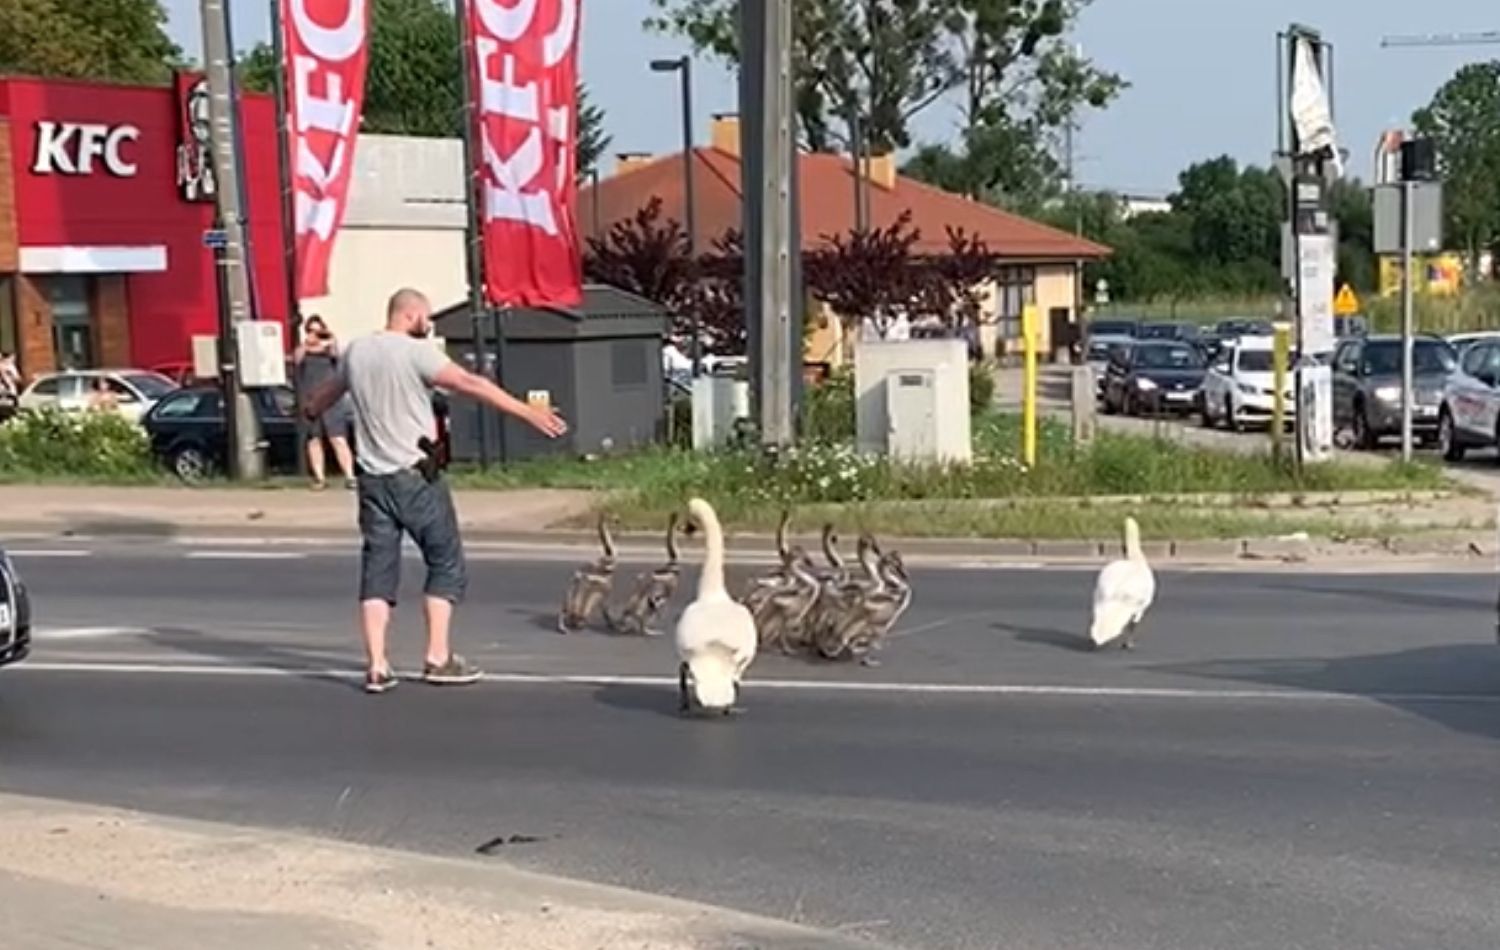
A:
(246, 462)
(772, 243)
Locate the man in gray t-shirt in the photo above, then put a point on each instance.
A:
(389, 377)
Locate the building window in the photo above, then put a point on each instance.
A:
(9, 336)
(72, 330)
(1015, 289)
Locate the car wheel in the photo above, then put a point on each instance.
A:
(1206, 417)
(1448, 443)
(1364, 437)
(190, 463)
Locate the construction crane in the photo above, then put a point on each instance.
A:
(1443, 39)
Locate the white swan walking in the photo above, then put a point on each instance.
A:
(1123, 594)
(716, 637)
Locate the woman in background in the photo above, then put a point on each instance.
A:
(317, 361)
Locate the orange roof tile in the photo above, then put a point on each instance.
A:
(827, 206)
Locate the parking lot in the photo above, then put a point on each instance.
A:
(1480, 467)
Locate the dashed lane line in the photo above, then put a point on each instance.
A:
(787, 685)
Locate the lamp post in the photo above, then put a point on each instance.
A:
(684, 65)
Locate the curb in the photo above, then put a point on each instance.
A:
(647, 545)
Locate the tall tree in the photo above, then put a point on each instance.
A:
(414, 85)
(885, 61)
(119, 40)
(1464, 119)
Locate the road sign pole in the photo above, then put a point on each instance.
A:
(1406, 321)
(1028, 391)
(1279, 353)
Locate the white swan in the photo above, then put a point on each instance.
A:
(1123, 594)
(716, 638)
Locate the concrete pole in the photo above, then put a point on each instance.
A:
(1407, 321)
(246, 461)
(776, 246)
(474, 233)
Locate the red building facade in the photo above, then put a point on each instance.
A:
(105, 199)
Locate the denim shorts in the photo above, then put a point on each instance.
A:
(405, 503)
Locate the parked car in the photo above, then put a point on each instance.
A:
(1462, 341)
(1113, 328)
(135, 391)
(1186, 332)
(1240, 386)
(1097, 357)
(188, 433)
(1469, 416)
(1155, 377)
(1367, 386)
(15, 613)
(1241, 326)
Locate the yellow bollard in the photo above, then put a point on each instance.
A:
(1028, 385)
(1280, 350)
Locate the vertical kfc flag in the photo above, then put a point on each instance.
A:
(524, 58)
(327, 45)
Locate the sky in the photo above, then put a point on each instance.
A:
(1202, 75)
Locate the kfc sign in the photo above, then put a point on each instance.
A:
(74, 148)
(524, 61)
(327, 46)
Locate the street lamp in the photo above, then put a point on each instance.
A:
(684, 65)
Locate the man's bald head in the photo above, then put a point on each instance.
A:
(409, 311)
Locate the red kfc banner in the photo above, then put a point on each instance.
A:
(327, 46)
(523, 57)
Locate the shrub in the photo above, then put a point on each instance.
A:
(981, 387)
(92, 445)
(828, 409)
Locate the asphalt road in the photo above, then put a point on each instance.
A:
(1291, 759)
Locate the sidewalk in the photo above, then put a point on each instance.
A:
(170, 512)
(1421, 524)
(76, 876)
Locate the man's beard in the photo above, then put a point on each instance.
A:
(419, 333)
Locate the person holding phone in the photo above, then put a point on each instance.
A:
(390, 377)
(316, 361)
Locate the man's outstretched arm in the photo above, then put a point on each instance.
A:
(455, 378)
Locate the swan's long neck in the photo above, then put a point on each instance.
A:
(605, 540)
(830, 551)
(1133, 542)
(711, 580)
(672, 556)
(781, 531)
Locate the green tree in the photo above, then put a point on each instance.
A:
(1002, 165)
(120, 40)
(885, 61)
(1464, 120)
(414, 86)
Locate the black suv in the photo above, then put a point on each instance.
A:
(15, 614)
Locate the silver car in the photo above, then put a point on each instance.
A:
(1469, 417)
(135, 391)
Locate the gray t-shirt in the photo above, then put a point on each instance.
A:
(389, 378)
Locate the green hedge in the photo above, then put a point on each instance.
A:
(74, 445)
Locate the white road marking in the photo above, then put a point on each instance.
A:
(245, 555)
(49, 552)
(811, 686)
(87, 633)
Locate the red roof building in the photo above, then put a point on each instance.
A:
(1038, 264)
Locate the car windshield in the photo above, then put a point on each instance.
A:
(1427, 356)
(1099, 349)
(1112, 328)
(1168, 357)
(1259, 361)
(1167, 331)
(151, 385)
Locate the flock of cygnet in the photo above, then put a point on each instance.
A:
(799, 607)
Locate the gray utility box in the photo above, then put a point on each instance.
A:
(600, 366)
